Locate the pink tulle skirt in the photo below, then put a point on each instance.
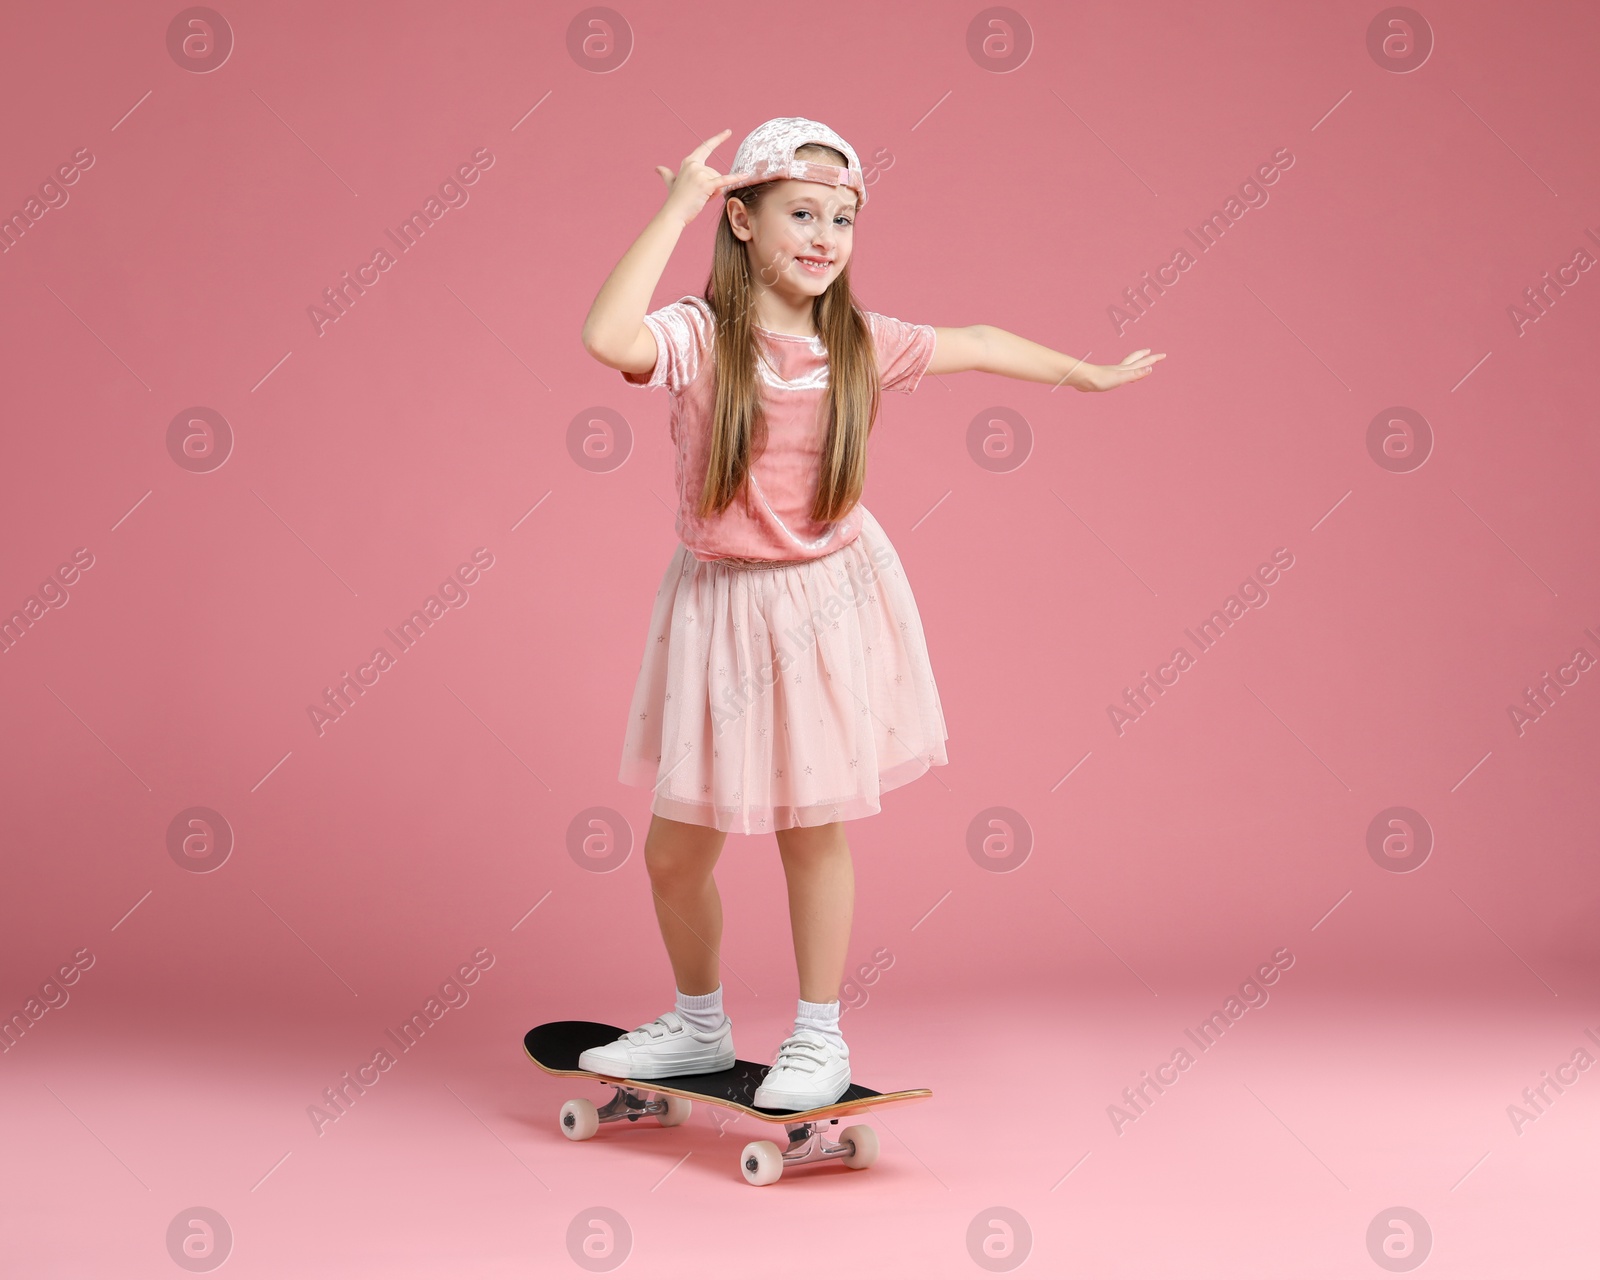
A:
(783, 696)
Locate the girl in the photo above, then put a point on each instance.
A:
(785, 682)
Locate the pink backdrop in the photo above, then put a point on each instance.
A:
(1349, 385)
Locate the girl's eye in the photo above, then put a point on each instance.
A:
(806, 213)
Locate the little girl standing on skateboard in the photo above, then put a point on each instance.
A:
(785, 683)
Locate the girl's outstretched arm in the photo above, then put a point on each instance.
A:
(614, 332)
(989, 350)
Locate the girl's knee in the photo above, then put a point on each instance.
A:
(672, 862)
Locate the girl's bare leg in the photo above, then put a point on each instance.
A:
(822, 891)
(680, 857)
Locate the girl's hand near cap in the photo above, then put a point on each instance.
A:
(696, 181)
(614, 331)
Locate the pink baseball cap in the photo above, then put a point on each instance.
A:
(768, 153)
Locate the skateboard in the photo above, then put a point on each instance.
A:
(556, 1046)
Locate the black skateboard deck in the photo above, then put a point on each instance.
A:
(556, 1046)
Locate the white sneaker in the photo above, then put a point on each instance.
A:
(666, 1047)
(810, 1072)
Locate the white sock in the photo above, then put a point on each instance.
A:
(821, 1018)
(703, 1013)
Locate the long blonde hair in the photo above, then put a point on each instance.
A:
(739, 429)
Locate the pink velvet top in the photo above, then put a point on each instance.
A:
(783, 480)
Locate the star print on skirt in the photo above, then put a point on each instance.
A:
(783, 696)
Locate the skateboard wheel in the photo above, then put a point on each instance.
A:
(864, 1146)
(677, 1111)
(579, 1119)
(761, 1163)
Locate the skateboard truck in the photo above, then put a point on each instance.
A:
(809, 1141)
(580, 1118)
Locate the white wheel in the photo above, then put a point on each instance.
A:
(677, 1111)
(761, 1163)
(865, 1144)
(579, 1119)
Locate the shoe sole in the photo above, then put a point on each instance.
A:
(792, 1103)
(665, 1073)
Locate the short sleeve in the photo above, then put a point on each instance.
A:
(683, 334)
(904, 351)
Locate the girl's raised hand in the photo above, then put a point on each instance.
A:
(1107, 377)
(696, 181)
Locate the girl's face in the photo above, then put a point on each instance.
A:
(799, 236)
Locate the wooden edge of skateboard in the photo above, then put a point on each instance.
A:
(815, 1113)
(827, 1113)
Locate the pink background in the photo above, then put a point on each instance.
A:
(1166, 862)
